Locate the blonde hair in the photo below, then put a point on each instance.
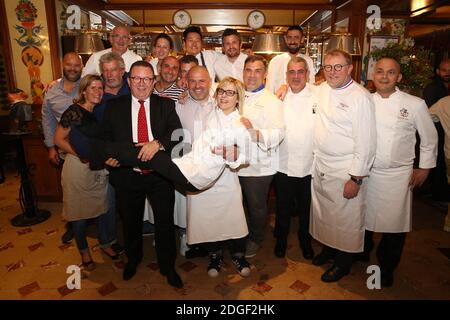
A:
(84, 83)
(239, 89)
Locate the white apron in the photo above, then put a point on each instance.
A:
(335, 221)
(389, 200)
(216, 214)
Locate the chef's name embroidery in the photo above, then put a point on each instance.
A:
(404, 114)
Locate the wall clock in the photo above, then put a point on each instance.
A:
(182, 19)
(256, 19)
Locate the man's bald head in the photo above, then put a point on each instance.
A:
(199, 83)
(392, 60)
(72, 66)
(120, 39)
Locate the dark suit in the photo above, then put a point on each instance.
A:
(440, 188)
(132, 187)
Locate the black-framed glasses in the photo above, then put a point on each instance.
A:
(229, 93)
(146, 80)
(336, 67)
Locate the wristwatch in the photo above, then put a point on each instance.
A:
(161, 147)
(356, 180)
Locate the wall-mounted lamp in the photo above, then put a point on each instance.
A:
(269, 43)
(344, 41)
(88, 43)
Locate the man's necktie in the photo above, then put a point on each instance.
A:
(142, 129)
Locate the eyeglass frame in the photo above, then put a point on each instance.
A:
(220, 91)
(118, 36)
(146, 80)
(330, 67)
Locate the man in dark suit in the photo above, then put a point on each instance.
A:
(147, 120)
(433, 92)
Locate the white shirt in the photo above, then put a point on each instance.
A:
(210, 57)
(276, 74)
(296, 150)
(265, 113)
(135, 106)
(92, 65)
(225, 68)
(398, 117)
(345, 133)
(154, 63)
(193, 116)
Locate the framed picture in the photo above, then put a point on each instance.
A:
(378, 42)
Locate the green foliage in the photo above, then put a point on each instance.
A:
(414, 62)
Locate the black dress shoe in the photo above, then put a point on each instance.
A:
(67, 236)
(321, 259)
(335, 273)
(308, 252)
(174, 279)
(129, 271)
(280, 249)
(387, 280)
(196, 252)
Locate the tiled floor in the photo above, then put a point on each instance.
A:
(33, 265)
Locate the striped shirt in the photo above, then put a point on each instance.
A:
(171, 92)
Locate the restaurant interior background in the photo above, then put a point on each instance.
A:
(37, 33)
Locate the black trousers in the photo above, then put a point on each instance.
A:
(132, 188)
(389, 250)
(440, 189)
(289, 191)
(236, 246)
(126, 154)
(341, 258)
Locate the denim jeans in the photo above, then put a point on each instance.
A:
(109, 220)
(79, 230)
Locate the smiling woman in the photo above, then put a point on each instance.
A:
(84, 190)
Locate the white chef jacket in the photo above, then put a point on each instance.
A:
(193, 116)
(276, 75)
(210, 57)
(389, 198)
(265, 113)
(217, 214)
(224, 68)
(344, 144)
(296, 150)
(200, 166)
(92, 65)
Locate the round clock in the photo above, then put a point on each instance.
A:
(181, 19)
(256, 19)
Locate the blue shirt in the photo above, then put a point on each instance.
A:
(99, 109)
(55, 103)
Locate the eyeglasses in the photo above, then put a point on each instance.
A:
(229, 93)
(146, 80)
(118, 36)
(336, 67)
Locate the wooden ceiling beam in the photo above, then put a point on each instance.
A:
(217, 5)
(91, 5)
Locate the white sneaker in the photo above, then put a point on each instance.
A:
(183, 244)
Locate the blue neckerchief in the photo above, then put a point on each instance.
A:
(261, 87)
